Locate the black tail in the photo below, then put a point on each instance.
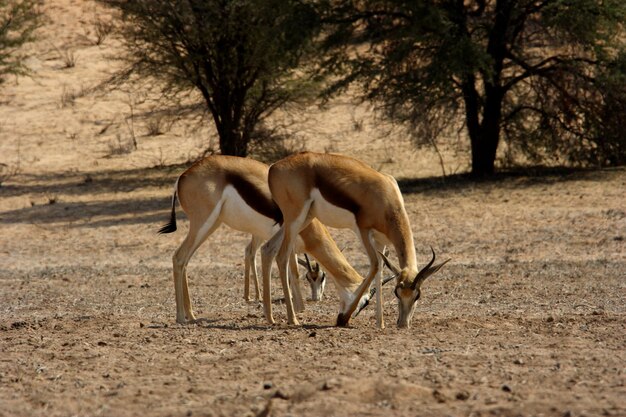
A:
(170, 227)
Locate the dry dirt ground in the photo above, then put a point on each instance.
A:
(528, 319)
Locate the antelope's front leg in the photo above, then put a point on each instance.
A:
(282, 260)
(362, 295)
(268, 254)
(380, 322)
(295, 284)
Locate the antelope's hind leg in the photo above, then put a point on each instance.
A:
(198, 232)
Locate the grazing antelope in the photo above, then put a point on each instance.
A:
(234, 191)
(315, 276)
(344, 192)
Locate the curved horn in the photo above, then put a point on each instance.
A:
(308, 263)
(424, 272)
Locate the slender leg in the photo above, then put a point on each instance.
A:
(250, 268)
(198, 233)
(293, 223)
(379, 246)
(246, 271)
(379, 287)
(375, 266)
(295, 284)
(287, 252)
(257, 288)
(268, 253)
(282, 259)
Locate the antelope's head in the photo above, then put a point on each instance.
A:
(315, 276)
(408, 290)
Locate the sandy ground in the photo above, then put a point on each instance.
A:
(528, 319)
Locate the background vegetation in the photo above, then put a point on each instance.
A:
(545, 77)
(240, 56)
(519, 81)
(18, 21)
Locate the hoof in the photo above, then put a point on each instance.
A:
(185, 320)
(343, 320)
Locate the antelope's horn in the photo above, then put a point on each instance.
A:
(308, 263)
(424, 272)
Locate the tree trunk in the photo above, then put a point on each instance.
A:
(484, 141)
(483, 148)
(484, 134)
(485, 144)
(232, 143)
(483, 156)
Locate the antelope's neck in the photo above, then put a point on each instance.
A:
(402, 241)
(320, 244)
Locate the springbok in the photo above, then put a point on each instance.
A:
(315, 277)
(343, 192)
(234, 191)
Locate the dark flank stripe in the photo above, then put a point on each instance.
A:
(255, 198)
(335, 196)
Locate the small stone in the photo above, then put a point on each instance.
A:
(267, 385)
(506, 388)
(550, 319)
(18, 325)
(462, 395)
(313, 334)
(518, 362)
(439, 396)
(280, 394)
(331, 383)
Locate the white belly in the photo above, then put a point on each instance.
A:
(331, 215)
(240, 216)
